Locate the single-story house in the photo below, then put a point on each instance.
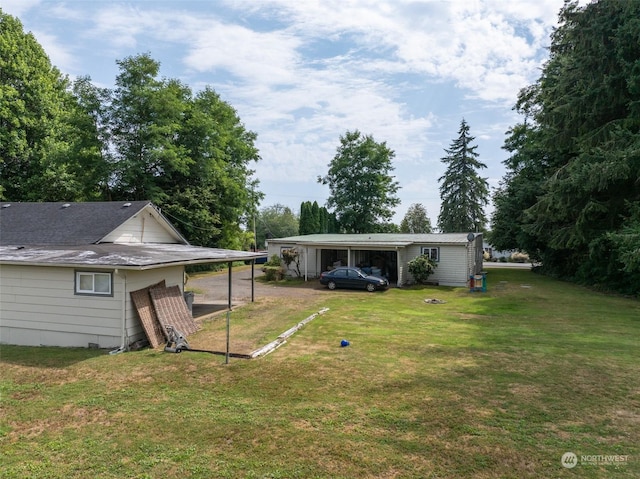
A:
(458, 255)
(67, 270)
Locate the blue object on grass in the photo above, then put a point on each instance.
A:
(344, 343)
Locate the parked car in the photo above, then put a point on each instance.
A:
(348, 277)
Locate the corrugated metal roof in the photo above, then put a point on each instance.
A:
(124, 256)
(375, 239)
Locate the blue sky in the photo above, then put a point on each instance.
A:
(300, 73)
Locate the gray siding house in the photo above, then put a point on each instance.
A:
(458, 255)
(67, 270)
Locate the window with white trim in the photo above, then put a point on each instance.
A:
(94, 283)
(432, 253)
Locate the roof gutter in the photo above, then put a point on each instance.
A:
(134, 267)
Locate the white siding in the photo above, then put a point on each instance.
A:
(456, 261)
(311, 260)
(309, 254)
(40, 307)
(452, 270)
(403, 274)
(277, 249)
(142, 228)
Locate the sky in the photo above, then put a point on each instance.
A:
(301, 73)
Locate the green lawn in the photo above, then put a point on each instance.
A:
(496, 384)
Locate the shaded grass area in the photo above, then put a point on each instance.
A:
(496, 384)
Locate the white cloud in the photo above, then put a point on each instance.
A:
(302, 73)
(58, 51)
(17, 8)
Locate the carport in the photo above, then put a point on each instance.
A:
(458, 255)
(380, 262)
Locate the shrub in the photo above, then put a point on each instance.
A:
(421, 268)
(273, 269)
(273, 273)
(274, 260)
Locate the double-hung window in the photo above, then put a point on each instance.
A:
(432, 253)
(94, 283)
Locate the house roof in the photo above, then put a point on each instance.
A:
(72, 234)
(63, 223)
(376, 239)
(120, 255)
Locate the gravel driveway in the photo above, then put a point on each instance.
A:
(212, 290)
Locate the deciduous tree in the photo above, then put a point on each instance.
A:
(416, 220)
(35, 121)
(362, 189)
(276, 221)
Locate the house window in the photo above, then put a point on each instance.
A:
(432, 253)
(94, 283)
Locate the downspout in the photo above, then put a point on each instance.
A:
(123, 344)
(398, 268)
(306, 268)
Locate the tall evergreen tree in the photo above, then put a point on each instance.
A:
(362, 190)
(305, 225)
(315, 218)
(463, 193)
(571, 193)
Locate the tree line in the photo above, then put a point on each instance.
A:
(152, 138)
(149, 138)
(571, 195)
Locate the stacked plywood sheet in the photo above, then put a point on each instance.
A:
(159, 306)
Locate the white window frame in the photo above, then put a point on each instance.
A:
(432, 252)
(79, 274)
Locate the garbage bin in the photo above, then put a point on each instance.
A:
(188, 298)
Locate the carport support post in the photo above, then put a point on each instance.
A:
(226, 361)
(228, 315)
(229, 282)
(253, 279)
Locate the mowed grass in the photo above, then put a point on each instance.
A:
(487, 385)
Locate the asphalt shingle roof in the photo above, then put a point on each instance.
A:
(69, 234)
(63, 223)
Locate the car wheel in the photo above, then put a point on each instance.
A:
(331, 285)
(371, 287)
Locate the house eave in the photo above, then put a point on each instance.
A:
(120, 256)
